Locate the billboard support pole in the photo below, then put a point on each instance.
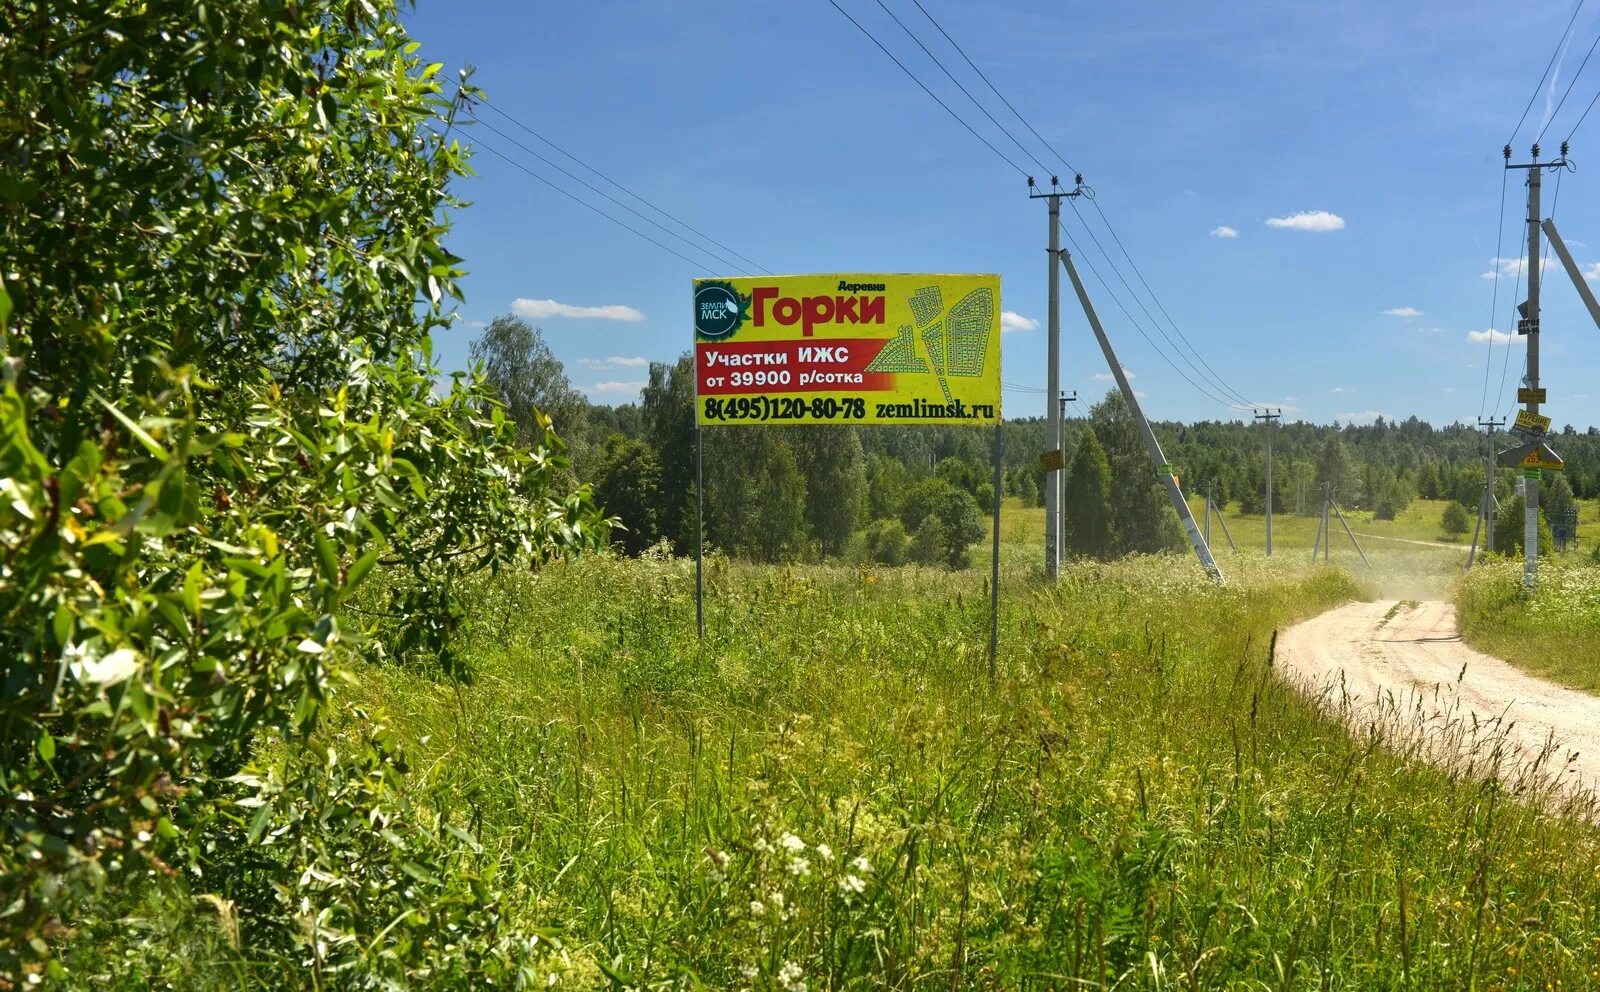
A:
(699, 537)
(1202, 550)
(994, 562)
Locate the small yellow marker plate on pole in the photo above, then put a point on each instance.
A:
(1050, 461)
(1526, 395)
(1531, 423)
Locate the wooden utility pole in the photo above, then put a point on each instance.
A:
(1271, 419)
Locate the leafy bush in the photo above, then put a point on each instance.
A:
(1454, 522)
(217, 417)
(885, 542)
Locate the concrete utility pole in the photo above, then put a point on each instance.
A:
(1054, 411)
(1202, 549)
(1485, 521)
(1530, 525)
(1528, 326)
(1272, 420)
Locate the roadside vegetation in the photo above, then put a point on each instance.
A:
(830, 791)
(1553, 632)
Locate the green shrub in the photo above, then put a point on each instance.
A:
(217, 418)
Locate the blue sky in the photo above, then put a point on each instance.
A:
(779, 130)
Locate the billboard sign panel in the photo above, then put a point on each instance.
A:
(847, 349)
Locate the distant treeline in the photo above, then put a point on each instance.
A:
(897, 494)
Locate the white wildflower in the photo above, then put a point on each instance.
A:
(791, 978)
(825, 852)
(757, 907)
(862, 865)
(792, 843)
(776, 898)
(800, 867)
(852, 885)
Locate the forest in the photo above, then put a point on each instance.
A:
(921, 494)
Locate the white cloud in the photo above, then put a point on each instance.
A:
(1309, 220)
(1107, 376)
(613, 387)
(1010, 320)
(1592, 272)
(614, 362)
(481, 324)
(1498, 337)
(1448, 389)
(1224, 231)
(1512, 268)
(1403, 312)
(539, 309)
(1138, 394)
(1341, 389)
(1427, 330)
(1364, 416)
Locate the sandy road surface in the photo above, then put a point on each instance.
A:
(1403, 666)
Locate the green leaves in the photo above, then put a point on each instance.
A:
(218, 418)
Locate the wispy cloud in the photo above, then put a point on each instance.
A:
(540, 309)
(614, 362)
(1224, 231)
(1107, 376)
(1309, 220)
(1342, 389)
(613, 388)
(1512, 268)
(1592, 272)
(1496, 336)
(1010, 320)
(1290, 399)
(477, 324)
(1451, 389)
(1363, 416)
(1403, 312)
(1427, 330)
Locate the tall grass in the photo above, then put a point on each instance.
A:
(1553, 631)
(830, 792)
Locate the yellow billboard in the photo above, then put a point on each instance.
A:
(847, 349)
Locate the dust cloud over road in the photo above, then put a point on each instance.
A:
(1400, 667)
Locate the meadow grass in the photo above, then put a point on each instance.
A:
(829, 792)
(1553, 632)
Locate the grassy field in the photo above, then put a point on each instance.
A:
(1553, 632)
(1406, 558)
(829, 792)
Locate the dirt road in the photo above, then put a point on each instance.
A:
(1401, 665)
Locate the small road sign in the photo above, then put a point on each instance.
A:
(1531, 423)
(1050, 461)
(1526, 395)
(1543, 458)
(1533, 455)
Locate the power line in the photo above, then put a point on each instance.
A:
(1154, 323)
(1137, 326)
(1570, 84)
(992, 87)
(1582, 116)
(585, 203)
(1209, 374)
(478, 98)
(959, 119)
(1548, 66)
(1214, 377)
(599, 192)
(951, 76)
(1494, 298)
